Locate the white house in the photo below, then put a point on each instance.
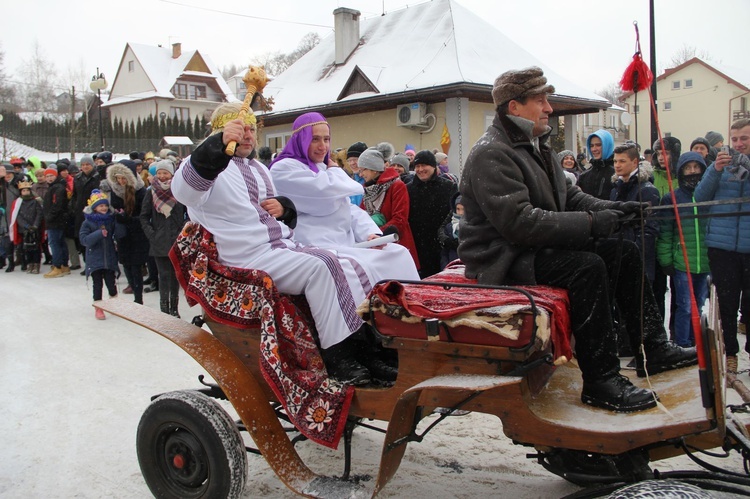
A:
(161, 81)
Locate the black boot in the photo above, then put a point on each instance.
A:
(2, 262)
(665, 357)
(341, 364)
(374, 359)
(11, 265)
(164, 305)
(617, 393)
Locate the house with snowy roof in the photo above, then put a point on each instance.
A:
(159, 81)
(405, 76)
(693, 98)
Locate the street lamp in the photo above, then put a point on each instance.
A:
(98, 83)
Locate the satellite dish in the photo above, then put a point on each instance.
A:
(625, 118)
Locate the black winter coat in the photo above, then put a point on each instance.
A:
(597, 180)
(161, 231)
(82, 187)
(56, 205)
(133, 248)
(429, 204)
(517, 202)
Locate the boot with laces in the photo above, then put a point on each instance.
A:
(616, 393)
(55, 272)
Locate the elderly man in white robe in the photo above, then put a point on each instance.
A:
(320, 193)
(234, 198)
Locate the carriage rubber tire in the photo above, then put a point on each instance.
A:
(188, 447)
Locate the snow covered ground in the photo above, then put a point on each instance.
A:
(10, 148)
(74, 389)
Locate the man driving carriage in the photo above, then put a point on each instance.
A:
(524, 225)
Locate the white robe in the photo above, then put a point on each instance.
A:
(327, 219)
(247, 236)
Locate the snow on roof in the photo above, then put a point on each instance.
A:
(446, 42)
(177, 140)
(163, 70)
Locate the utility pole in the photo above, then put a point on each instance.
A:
(73, 124)
(654, 114)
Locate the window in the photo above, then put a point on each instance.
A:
(613, 121)
(180, 90)
(636, 109)
(131, 66)
(667, 106)
(689, 83)
(199, 92)
(181, 113)
(277, 141)
(676, 85)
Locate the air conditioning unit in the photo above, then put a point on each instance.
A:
(412, 114)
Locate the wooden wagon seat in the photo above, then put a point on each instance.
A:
(482, 316)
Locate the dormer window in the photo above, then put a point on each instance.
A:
(199, 92)
(180, 90)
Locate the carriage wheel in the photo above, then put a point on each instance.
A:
(188, 447)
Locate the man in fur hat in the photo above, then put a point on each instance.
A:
(524, 225)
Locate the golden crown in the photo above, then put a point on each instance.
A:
(24, 185)
(221, 121)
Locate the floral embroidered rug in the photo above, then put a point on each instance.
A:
(289, 357)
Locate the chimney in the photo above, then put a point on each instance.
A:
(176, 50)
(346, 28)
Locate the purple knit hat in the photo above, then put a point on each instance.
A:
(299, 143)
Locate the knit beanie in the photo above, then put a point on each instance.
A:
(86, 159)
(520, 83)
(440, 157)
(714, 138)
(371, 159)
(401, 160)
(164, 164)
(567, 152)
(355, 150)
(700, 140)
(97, 197)
(386, 149)
(425, 158)
(50, 171)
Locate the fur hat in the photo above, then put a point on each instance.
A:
(50, 171)
(355, 150)
(714, 138)
(119, 169)
(401, 160)
(425, 158)
(372, 159)
(164, 164)
(520, 83)
(97, 197)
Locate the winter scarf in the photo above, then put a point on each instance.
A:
(375, 195)
(162, 196)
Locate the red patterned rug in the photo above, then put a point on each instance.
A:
(447, 302)
(289, 357)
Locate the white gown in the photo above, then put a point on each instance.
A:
(247, 236)
(327, 219)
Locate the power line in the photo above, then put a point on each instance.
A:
(249, 16)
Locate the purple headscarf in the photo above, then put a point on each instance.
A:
(299, 143)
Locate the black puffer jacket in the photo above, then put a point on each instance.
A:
(429, 204)
(517, 202)
(56, 205)
(597, 180)
(82, 187)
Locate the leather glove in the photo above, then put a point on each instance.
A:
(604, 222)
(628, 207)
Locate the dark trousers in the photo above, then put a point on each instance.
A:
(58, 246)
(730, 271)
(134, 275)
(100, 277)
(169, 287)
(589, 276)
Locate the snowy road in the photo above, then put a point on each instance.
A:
(74, 389)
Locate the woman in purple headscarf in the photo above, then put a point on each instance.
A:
(325, 217)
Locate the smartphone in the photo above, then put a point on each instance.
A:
(725, 149)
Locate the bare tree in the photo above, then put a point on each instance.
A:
(612, 93)
(39, 86)
(231, 70)
(276, 63)
(7, 91)
(685, 53)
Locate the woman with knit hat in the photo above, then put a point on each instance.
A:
(386, 199)
(162, 218)
(98, 234)
(127, 194)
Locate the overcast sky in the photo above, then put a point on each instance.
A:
(590, 42)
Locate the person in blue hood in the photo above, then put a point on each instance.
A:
(597, 180)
